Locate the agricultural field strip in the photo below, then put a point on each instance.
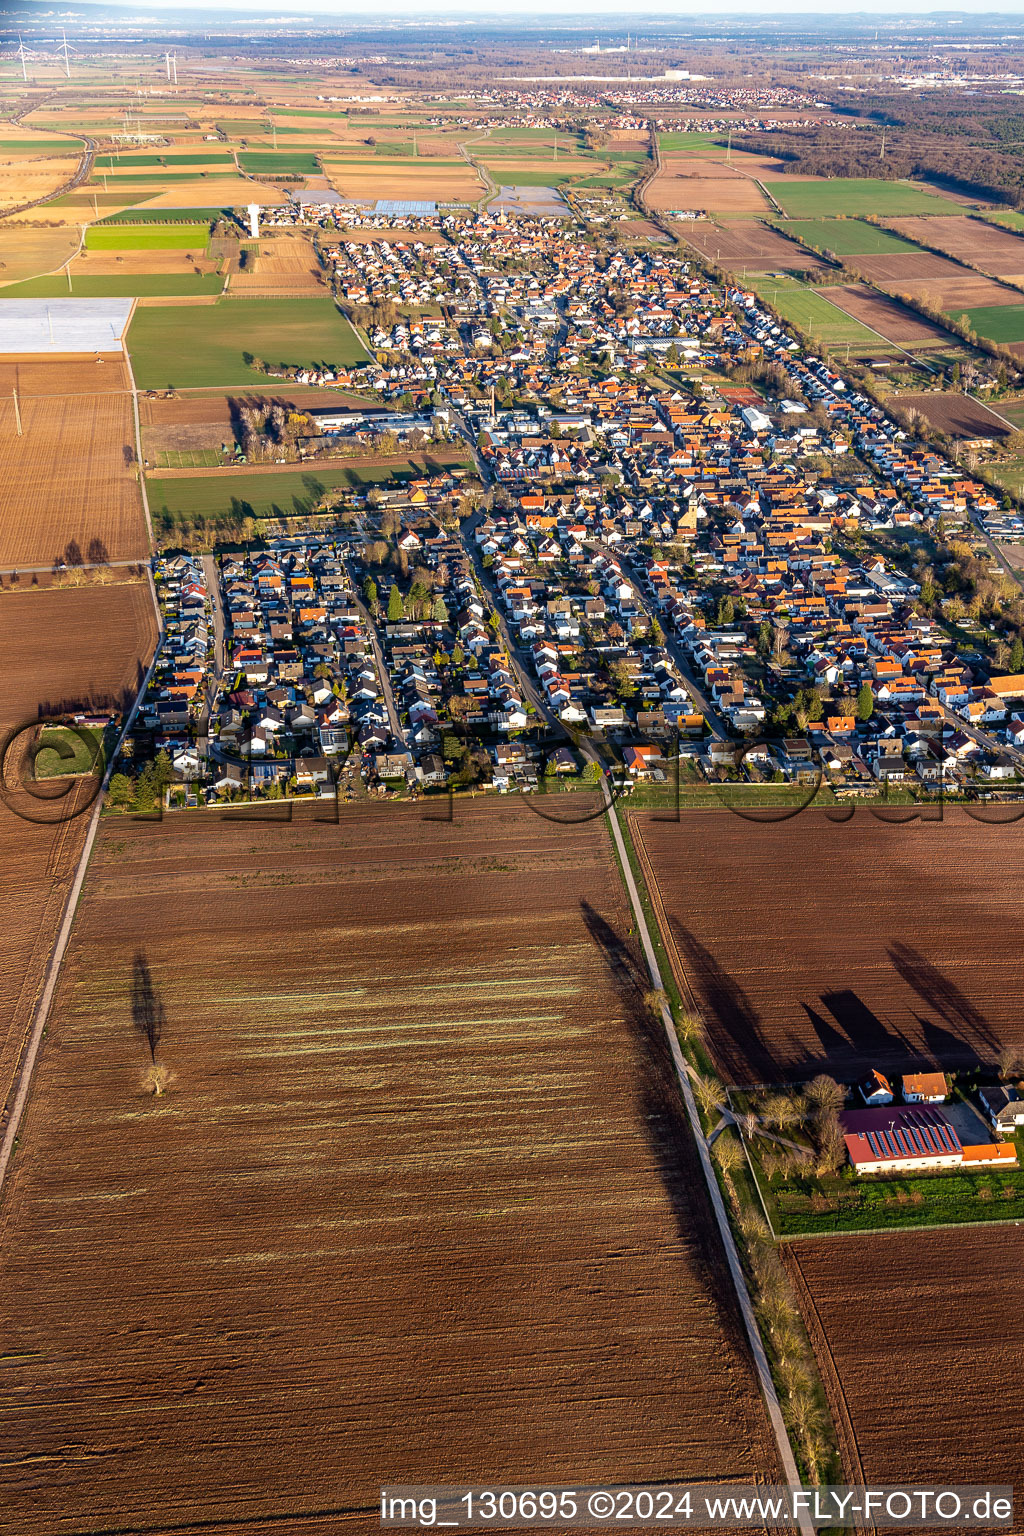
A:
(289, 1065)
(949, 1301)
(845, 995)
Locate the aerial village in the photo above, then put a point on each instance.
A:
(705, 577)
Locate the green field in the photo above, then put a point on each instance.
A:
(319, 112)
(94, 199)
(122, 162)
(527, 134)
(143, 285)
(153, 179)
(421, 163)
(40, 146)
(690, 143)
(1013, 410)
(268, 163)
(152, 215)
(1009, 218)
(552, 177)
(804, 1205)
(847, 237)
(813, 314)
(204, 346)
(187, 458)
(230, 494)
(179, 237)
(996, 322)
(854, 195)
(62, 751)
(608, 179)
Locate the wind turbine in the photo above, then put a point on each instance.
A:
(66, 50)
(22, 54)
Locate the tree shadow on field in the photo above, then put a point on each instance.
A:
(630, 976)
(945, 1049)
(736, 1034)
(967, 1031)
(871, 1043)
(661, 1117)
(148, 1013)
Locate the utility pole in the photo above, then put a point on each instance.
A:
(17, 410)
(174, 69)
(728, 151)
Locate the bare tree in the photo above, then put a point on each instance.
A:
(690, 1028)
(708, 1094)
(728, 1154)
(782, 1110)
(824, 1093)
(1011, 1061)
(655, 1001)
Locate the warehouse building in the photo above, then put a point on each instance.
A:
(918, 1138)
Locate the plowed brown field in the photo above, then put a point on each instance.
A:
(918, 1339)
(415, 1204)
(70, 478)
(697, 182)
(813, 945)
(750, 244)
(987, 246)
(282, 266)
(58, 648)
(413, 180)
(933, 278)
(959, 415)
(64, 373)
(893, 320)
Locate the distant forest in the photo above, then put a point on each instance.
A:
(973, 146)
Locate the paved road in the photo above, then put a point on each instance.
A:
(82, 174)
(26, 1068)
(693, 685)
(530, 689)
(764, 1375)
(212, 575)
(378, 657)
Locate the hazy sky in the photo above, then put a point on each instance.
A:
(610, 9)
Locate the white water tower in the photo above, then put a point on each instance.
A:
(254, 220)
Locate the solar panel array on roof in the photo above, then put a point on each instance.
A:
(898, 1135)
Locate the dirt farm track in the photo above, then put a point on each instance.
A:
(814, 945)
(415, 1203)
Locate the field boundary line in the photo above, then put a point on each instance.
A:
(823, 293)
(760, 1358)
(812, 1320)
(921, 1226)
(138, 440)
(28, 1062)
(26, 1068)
